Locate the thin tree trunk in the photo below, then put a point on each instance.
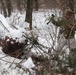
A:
(36, 5)
(19, 4)
(4, 8)
(29, 13)
(71, 5)
(9, 7)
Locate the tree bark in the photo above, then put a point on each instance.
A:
(71, 5)
(19, 4)
(36, 4)
(29, 13)
(4, 8)
(9, 7)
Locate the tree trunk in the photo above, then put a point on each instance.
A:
(71, 5)
(36, 5)
(19, 4)
(29, 13)
(9, 7)
(4, 8)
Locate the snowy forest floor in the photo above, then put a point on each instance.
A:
(46, 34)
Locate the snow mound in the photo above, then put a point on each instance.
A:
(4, 22)
(18, 35)
(28, 64)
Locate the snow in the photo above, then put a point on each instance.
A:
(9, 64)
(28, 64)
(75, 35)
(46, 34)
(17, 35)
(4, 22)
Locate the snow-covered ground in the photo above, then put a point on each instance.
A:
(46, 34)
